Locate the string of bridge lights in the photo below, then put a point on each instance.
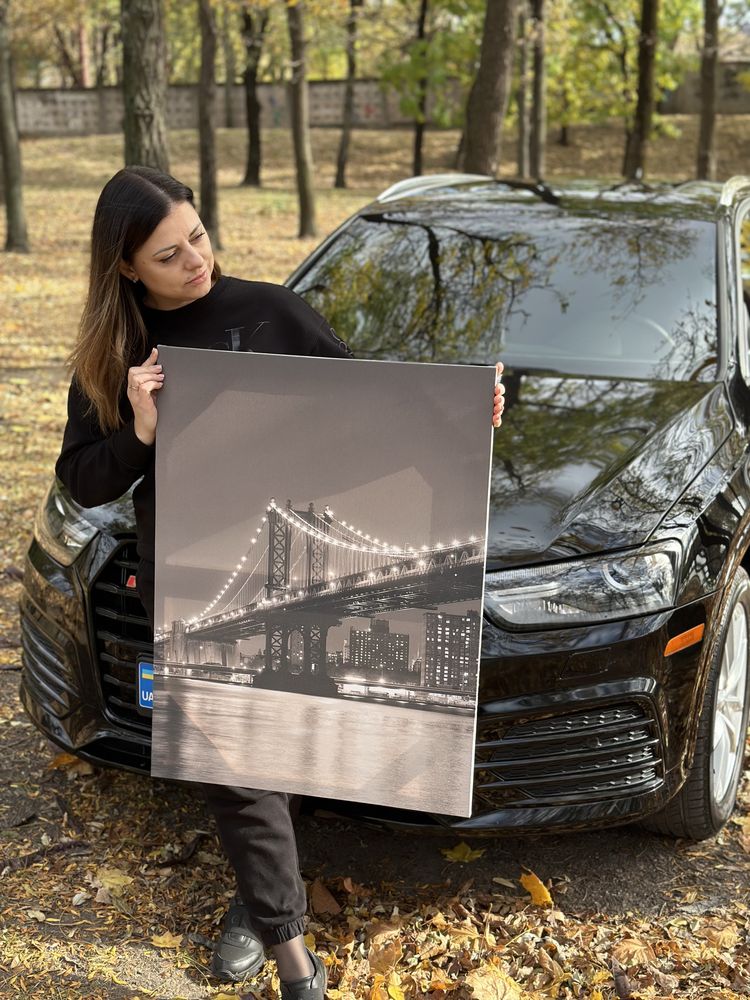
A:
(230, 579)
(368, 544)
(376, 546)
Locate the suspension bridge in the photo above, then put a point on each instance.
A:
(303, 571)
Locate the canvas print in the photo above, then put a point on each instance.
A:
(320, 550)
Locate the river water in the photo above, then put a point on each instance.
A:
(334, 748)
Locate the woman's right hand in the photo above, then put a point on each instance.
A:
(143, 381)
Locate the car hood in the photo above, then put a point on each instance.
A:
(589, 464)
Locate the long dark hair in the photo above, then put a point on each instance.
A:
(112, 335)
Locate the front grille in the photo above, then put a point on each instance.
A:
(122, 634)
(46, 670)
(585, 755)
(121, 753)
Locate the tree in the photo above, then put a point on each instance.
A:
(488, 97)
(209, 206)
(16, 239)
(230, 71)
(636, 146)
(254, 23)
(348, 109)
(144, 83)
(537, 143)
(522, 93)
(706, 165)
(422, 83)
(591, 56)
(300, 118)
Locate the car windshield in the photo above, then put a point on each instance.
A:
(586, 293)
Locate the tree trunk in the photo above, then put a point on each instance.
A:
(101, 48)
(637, 141)
(706, 166)
(253, 31)
(422, 96)
(16, 239)
(348, 111)
(209, 206)
(144, 83)
(564, 136)
(458, 156)
(522, 96)
(230, 69)
(67, 60)
(83, 54)
(488, 98)
(538, 143)
(300, 118)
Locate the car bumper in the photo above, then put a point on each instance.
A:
(576, 727)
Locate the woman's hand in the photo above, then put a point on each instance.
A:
(143, 380)
(499, 401)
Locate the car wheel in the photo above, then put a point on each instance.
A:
(706, 800)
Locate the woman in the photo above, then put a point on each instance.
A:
(153, 279)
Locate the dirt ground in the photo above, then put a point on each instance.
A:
(113, 885)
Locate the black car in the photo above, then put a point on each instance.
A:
(614, 673)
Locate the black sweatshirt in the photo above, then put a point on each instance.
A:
(235, 315)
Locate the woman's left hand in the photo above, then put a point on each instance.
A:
(499, 400)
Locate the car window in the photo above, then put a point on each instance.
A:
(587, 293)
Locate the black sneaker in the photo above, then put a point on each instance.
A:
(311, 987)
(239, 953)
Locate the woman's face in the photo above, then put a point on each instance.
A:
(176, 254)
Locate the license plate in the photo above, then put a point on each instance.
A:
(145, 684)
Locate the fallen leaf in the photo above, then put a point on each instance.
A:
(490, 983)
(37, 915)
(377, 991)
(462, 852)
(113, 880)
(633, 951)
(537, 889)
(505, 881)
(721, 935)
(384, 955)
(71, 764)
(167, 940)
(321, 900)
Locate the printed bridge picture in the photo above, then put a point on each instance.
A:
(320, 550)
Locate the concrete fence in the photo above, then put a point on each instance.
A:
(734, 98)
(92, 111)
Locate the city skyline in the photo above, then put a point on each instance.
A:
(462, 656)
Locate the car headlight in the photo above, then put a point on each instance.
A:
(585, 590)
(60, 526)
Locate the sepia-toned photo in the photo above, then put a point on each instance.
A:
(319, 575)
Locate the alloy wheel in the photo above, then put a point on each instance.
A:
(728, 737)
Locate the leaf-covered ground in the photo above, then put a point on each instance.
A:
(112, 885)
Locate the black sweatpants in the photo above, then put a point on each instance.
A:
(257, 834)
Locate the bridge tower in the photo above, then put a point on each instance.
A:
(317, 548)
(279, 551)
(279, 548)
(314, 636)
